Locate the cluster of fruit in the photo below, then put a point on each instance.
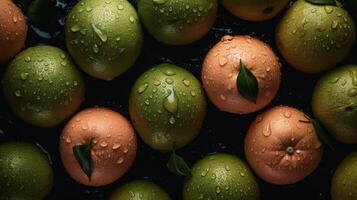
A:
(167, 104)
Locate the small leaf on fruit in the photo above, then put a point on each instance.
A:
(247, 83)
(178, 165)
(84, 158)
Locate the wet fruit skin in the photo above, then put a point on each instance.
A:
(112, 140)
(143, 190)
(167, 106)
(42, 86)
(13, 30)
(221, 68)
(314, 38)
(281, 147)
(334, 103)
(255, 10)
(177, 22)
(221, 177)
(344, 181)
(25, 172)
(100, 45)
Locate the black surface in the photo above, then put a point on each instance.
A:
(222, 132)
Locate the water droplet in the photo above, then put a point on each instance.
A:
(242, 174)
(169, 81)
(120, 7)
(121, 50)
(186, 82)
(335, 80)
(328, 9)
(28, 59)
(218, 190)
(18, 93)
(205, 172)
(267, 131)
(228, 168)
(334, 24)
(223, 97)
(75, 28)
(64, 63)
(172, 120)
(193, 93)
(102, 36)
(222, 61)
(84, 127)
(353, 74)
(131, 19)
(116, 146)
(287, 114)
(169, 72)
(120, 160)
(95, 48)
(227, 38)
(83, 32)
(103, 144)
(259, 118)
(14, 18)
(157, 83)
(159, 1)
(68, 140)
(24, 76)
(352, 92)
(142, 88)
(171, 102)
(125, 150)
(318, 146)
(309, 130)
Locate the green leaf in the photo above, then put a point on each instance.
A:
(326, 2)
(247, 84)
(321, 132)
(177, 165)
(83, 156)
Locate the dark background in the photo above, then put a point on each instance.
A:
(222, 132)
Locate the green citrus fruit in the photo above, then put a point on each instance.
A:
(255, 10)
(25, 173)
(177, 22)
(104, 37)
(42, 86)
(313, 38)
(334, 103)
(167, 106)
(344, 181)
(221, 177)
(139, 190)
